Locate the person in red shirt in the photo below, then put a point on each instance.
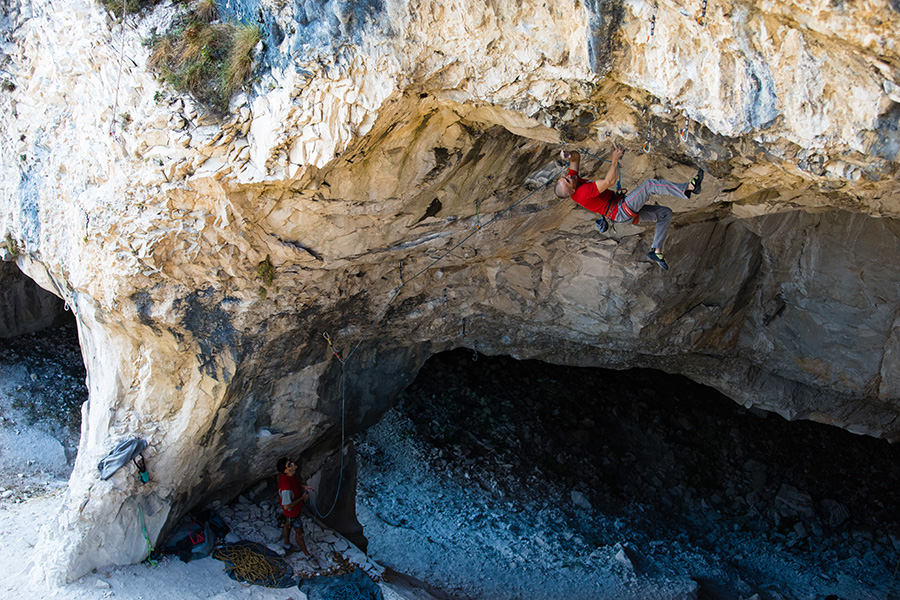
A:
(292, 495)
(597, 197)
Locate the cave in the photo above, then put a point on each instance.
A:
(531, 479)
(265, 277)
(42, 387)
(25, 307)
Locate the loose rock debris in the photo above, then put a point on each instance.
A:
(546, 482)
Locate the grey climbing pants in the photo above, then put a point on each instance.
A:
(661, 214)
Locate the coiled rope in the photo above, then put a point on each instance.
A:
(253, 567)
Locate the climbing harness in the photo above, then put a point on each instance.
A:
(620, 193)
(684, 132)
(150, 558)
(702, 17)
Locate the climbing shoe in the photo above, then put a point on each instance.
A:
(657, 257)
(602, 225)
(696, 182)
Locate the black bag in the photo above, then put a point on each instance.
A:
(602, 224)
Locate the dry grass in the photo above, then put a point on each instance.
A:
(131, 6)
(208, 59)
(240, 59)
(205, 11)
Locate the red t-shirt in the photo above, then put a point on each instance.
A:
(289, 490)
(587, 195)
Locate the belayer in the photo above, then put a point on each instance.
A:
(597, 197)
(292, 495)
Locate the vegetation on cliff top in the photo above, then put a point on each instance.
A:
(204, 56)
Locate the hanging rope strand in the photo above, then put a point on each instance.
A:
(378, 318)
(112, 125)
(394, 295)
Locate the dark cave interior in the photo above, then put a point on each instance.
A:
(695, 462)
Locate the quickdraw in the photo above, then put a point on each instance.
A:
(331, 347)
(684, 132)
(702, 16)
(646, 146)
(652, 26)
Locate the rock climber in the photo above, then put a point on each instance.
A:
(292, 495)
(597, 197)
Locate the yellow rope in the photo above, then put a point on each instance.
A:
(253, 567)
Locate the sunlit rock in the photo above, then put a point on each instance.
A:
(381, 182)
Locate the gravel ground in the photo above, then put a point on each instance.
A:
(501, 479)
(42, 388)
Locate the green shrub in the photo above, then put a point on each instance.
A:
(209, 60)
(265, 270)
(240, 63)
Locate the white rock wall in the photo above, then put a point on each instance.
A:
(150, 217)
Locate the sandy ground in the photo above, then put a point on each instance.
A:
(41, 390)
(171, 580)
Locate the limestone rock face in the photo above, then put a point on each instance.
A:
(383, 182)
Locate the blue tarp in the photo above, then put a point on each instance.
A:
(350, 586)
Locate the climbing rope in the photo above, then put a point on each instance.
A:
(253, 567)
(378, 318)
(618, 168)
(150, 558)
(887, 596)
(403, 284)
(112, 125)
